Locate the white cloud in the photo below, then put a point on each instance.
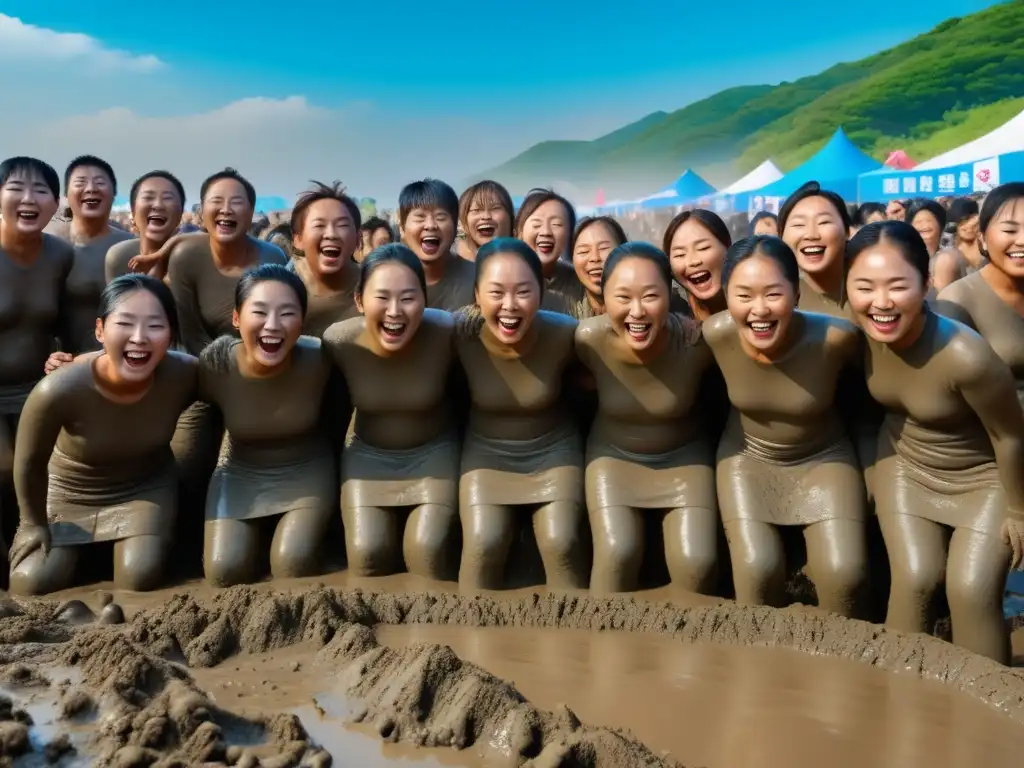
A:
(20, 42)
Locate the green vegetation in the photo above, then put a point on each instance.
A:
(927, 95)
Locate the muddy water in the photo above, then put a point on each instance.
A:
(737, 707)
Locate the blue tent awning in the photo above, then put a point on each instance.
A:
(271, 203)
(963, 179)
(686, 189)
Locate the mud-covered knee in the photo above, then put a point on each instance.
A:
(617, 553)
(921, 582)
(372, 557)
(29, 581)
(225, 569)
(142, 575)
(970, 589)
(697, 565)
(294, 560)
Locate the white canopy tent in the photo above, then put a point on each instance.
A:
(1007, 138)
(763, 175)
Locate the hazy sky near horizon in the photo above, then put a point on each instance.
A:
(379, 94)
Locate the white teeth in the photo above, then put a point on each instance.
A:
(134, 355)
(814, 249)
(637, 328)
(1016, 254)
(270, 340)
(509, 322)
(393, 327)
(699, 277)
(884, 319)
(762, 326)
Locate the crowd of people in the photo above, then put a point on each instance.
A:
(484, 366)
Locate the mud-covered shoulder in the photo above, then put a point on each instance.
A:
(718, 328)
(217, 357)
(59, 250)
(115, 263)
(270, 253)
(66, 382)
(344, 332)
(590, 332)
(955, 300)
(968, 357)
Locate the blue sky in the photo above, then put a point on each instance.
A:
(386, 92)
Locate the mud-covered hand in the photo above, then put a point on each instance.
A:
(1013, 535)
(56, 360)
(27, 540)
(145, 263)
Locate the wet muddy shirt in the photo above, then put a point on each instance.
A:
(326, 307)
(117, 258)
(563, 291)
(101, 450)
(85, 285)
(32, 304)
(455, 290)
(206, 296)
(812, 301)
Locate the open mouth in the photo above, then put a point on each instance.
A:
(1016, 255)
(545, 246)
(28, 215)
(885, 323)
(431, 246)
(330, 253)
(596, 274)
(156, 220)
(699, 278)
(813, 253)
(392, 332)
(136, 358)
(271, 345)
(92, 204)
(510, 326)
(763, 329)
(486, 230)
(225, 226)
(639, 332)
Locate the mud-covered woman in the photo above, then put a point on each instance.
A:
(93, 461)
(34, 268)
(696, 242)
(991, 299)
(276, 468)
(485, 213)
(522, 453)
(949, 479)
(157, 201)
(648, 459)
(785, 458)
(546, 222)
(594, 239)
(400, 469)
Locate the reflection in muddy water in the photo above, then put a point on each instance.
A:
(737, 707)
(53, 722)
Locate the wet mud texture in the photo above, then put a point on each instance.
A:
(422, 694)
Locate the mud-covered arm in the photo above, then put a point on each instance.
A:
(947, 270)
(988, 386)
(947, 306)
(182, 282)
(41, 422)
(157, 263)
(336, 405)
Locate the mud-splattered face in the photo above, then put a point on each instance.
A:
(815, 232)
(158, 209)
(885, 292)
(696, 257)
(135, 336)
(590, 253)
(508, 295)
(269, 322)
(392, 303)
(27, 203)
(90, 193)
(227, 213)
(329, 237)
(761, 301)
(636, 299)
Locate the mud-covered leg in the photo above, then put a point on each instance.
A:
(758, 562)
(917, 560)
(558, 528)
(618, 548)
(427, 542)
(487, 533)
(691, 548)
(39, 575)
(837, 556)
(373, 541)
(975, 577)
(295, 549)
(140, 562)
(231, 552)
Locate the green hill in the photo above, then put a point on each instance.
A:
(926, 95)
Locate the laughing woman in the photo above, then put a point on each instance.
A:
(521, 448)
(485, 213)
(646, 450)
(157, 202)
(276, 461)
(595, 238)
(93, 461)
(399, 472)
(546, 222)
(696, 242)
(785, 458)
(949, 481)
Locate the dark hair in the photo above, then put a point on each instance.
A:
(429, 193)
(374, 223)
(83, 161)
(921, 204)
(30, 166)
(486, 188)
(323, 192)
(961, 209)
(760, 216)
(166, 176)
(712, 222)
(588, 221)
(534, 199)
(514, 246)
(266, 273)
(770, 247)
(813, 189)
(866, 211)
(637, 250)
(229, 173)
(392, 252)
(121, 286)
(898, 233)
(996, 199)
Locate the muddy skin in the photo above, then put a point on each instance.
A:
(115, 263)
(455, 288)
(85, 284)
(785, 460)
(824, 304)
(563, 291)
(91, 483)
(403, 455)
(946, 477)
(276, 461)
(972, 302)
(521, 449)
(647, 451)
(326, 306)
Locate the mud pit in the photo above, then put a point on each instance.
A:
(268, 675)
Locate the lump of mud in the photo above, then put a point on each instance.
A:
(13, 738)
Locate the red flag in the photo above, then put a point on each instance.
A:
(599, 198)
